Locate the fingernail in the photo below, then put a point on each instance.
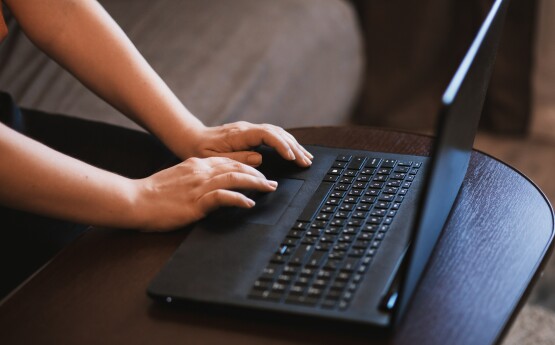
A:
(307, 161)
(310, 155)
(273, 184)
(254, 159)
(291, 155)
(250, 202)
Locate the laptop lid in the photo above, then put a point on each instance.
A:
(457, 124)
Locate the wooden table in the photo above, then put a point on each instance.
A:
(492, 249)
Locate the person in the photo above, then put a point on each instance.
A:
(217, 161)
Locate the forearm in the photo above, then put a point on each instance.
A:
(83, 38)
(38, 179)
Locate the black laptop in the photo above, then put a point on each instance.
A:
(347, 239)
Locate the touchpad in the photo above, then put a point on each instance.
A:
(268, 209)
(270, 206)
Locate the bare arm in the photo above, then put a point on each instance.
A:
(83, 38)
(39, 179)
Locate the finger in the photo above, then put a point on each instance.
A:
(246, 157)
(218, 165)
(300, 157)
(218, 198)
(237, 180)
(306, 152)
(265, 135)
(236, 167)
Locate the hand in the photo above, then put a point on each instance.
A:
(235, 140)
(188, 191)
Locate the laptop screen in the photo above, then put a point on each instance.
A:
(457, 125)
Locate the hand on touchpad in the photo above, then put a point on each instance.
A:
(269, 206)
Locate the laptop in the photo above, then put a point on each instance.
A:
(346, 239)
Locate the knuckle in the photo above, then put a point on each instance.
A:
(238, 165)
(217, 197)
(194, 160)
(231, 177)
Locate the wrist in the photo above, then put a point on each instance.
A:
(188, 141)
(138, 215)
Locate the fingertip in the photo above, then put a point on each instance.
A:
(250, 203)
(254, 159)
(273, 184)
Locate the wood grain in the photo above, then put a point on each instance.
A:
(492, 246)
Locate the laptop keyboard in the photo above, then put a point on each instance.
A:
(325, 255)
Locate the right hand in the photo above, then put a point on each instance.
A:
(187, 192)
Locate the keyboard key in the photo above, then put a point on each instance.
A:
(315, 201)
(295, 234)
(383, 204)
(329, 304)
(349, 265)
(331, 178)
(387, 197)
(261, 285)
(389, 163)
(351, 199)
(315, 292)
(364, 207)
(376, 185)
(347, 207)
(372, 162)
(297, 290)
(339, 164)
(356, 163)
(301, 225)
(307, 272)
(329, 209)
(343, 158)
(342, 277)
(277, 259)
(300, 254)
(342, 187)
(347, 179)
(316, 259)
(364, 178)
(323, 216)
(335, 171)
(368, 171)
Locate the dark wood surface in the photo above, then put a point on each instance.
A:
(493, 245)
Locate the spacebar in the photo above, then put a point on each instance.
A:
(316, 201)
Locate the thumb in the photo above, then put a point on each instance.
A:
(246, 157)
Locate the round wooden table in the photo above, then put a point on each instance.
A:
(492, 249)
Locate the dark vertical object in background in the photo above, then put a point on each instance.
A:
(508, 107)
(413, 47)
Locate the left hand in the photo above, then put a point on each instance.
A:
(235, 141)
